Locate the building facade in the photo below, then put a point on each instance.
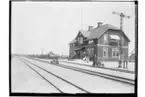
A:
(107, 42)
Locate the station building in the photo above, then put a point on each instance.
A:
(108, 42)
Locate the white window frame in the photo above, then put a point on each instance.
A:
(91, 41)
(73, 44)
(105, 38)
(106, 50)
(116, 50)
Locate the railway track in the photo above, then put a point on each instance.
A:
(94, 73)
(126, 71)
(39, 69)
(119, 70)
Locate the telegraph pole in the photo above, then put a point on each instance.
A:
(122, 16)
(82, 16)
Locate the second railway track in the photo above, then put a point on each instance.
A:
(126, 71)
(107, 76)
(61, 90)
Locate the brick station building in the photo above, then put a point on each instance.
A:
(108, 42)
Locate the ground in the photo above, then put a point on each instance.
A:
(24, 79)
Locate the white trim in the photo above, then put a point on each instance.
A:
(90, 41)
(105, 38)
(111, 46)
(115, 37)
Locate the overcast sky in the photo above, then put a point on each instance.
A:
(52, 25)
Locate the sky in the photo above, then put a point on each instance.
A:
(52, 25)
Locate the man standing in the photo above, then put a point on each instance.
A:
(94, 60)
(126, 63)
(120, 63)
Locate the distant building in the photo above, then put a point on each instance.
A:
(108, 42)
(51, 53)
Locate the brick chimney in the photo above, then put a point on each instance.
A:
(90, 28)
(99, 24)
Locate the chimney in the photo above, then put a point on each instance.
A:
(90, 28)
(99, 24)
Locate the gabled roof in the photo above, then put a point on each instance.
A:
(73, 41)
(85, 33)
(98, 32)
(51, 53)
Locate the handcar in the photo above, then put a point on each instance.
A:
(54, 61)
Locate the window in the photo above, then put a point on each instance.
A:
(115, 52)
(80, 40)
(73, 44)
(105, 38)
(91, 41)
(105, 52)
(114, 39)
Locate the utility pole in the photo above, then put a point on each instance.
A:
(82, 16)
(122, 15)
